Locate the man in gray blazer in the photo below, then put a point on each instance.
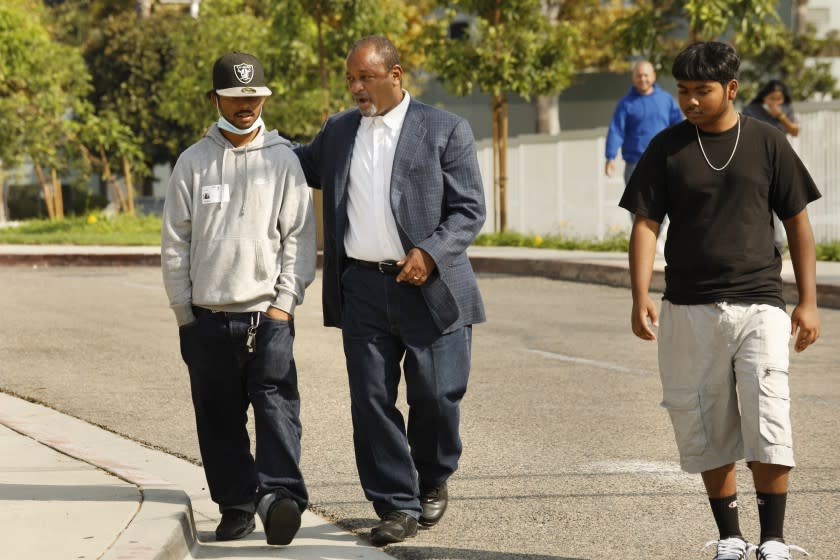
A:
(403, 200)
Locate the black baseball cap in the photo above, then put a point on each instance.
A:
(238, 74)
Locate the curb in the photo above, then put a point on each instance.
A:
(828, 295)
(163, 527)
(79, 259)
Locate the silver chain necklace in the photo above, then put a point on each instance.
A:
(732, 155)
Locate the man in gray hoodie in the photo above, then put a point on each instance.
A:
(237, 252)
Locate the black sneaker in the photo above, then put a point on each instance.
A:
(235, 524)
(281, 519)
(394, 527)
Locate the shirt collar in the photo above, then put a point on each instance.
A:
(394, 118)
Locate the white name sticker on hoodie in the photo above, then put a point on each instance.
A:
(214, 194)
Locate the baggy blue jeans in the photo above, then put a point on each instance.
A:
(225, 379)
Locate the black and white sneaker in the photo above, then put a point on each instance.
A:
(733, 548)
(775, 550)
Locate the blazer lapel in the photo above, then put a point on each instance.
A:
(412, 133)
(344, 153)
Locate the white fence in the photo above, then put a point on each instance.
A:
(556, 184)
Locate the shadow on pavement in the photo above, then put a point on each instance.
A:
(437, 553)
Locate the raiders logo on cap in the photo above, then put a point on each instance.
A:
(237, 74)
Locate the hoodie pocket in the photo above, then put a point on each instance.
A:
(231, 270)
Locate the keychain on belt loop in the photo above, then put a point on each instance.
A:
(251, 341)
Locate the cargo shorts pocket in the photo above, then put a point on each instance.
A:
(687, 419)
(774, 406)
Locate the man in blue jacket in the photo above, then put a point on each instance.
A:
(644, 111)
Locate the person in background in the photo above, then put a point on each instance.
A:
(644, 111)
(237, 252)
(773, 105)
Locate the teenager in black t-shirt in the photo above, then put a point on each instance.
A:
(719, 176)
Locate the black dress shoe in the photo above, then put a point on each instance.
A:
(434, 502)
(282, 521)
(235, 524)
(394, 527)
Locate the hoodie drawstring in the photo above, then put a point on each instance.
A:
(245, 187)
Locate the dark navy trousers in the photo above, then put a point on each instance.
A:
(388, 331)
(225, 379)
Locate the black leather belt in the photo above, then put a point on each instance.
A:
(389, 268)
(202, 311)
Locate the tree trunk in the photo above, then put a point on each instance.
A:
(129, 185)
(144, 8)
(800, 19)
(45, 189)
(548, 106)
(500, 137)
(495, 134)
(116, 193)
(58, 195)
(548, 114)
(4, 216)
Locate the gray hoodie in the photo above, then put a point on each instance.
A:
(238, 228)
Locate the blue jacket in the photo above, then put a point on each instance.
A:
(637, 119)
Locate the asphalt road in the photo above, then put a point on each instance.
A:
(567, 453)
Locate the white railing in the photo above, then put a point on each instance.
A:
(556, 184)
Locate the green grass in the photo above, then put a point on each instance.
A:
(93, 229)
(614, 242)
(828, 251)
(97, 229)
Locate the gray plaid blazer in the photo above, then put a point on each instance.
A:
(436, 195)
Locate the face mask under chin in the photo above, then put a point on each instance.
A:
(226, 125)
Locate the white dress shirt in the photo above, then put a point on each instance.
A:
(371, 230)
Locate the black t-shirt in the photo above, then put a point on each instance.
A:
(720, 241)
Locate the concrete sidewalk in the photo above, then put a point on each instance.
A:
(71, 490)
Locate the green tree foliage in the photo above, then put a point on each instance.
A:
(153, 74)
(132, 60)
(650, 31)
(40, 81)
(594, 20)
(148, 102)
(659, 29)
(784, 57)
(77, 21)
(312, 37)
(510, 47)
(42, 86)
